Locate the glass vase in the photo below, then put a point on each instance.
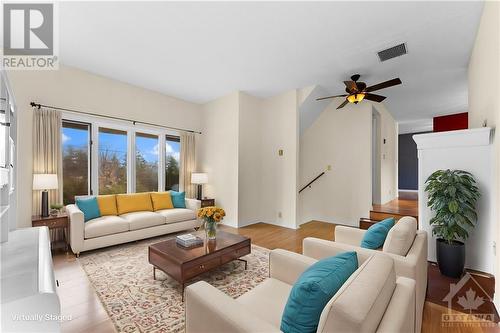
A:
(211, 230)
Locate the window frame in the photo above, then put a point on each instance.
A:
(175, 138)
(160, 160)
(89, 151)
(96, 122)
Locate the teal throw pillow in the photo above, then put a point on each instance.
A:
(178, 199)
(314, 289)
(89, 207)
(375, 236)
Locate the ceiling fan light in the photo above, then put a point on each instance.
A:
(355, 98)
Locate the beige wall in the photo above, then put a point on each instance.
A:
(280, 173)
(342, 139)
(388, 154)
(219, 153)
(250, 160)
(76, 89)
(242, 136)
(484, 102)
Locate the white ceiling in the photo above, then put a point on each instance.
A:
(200, 51)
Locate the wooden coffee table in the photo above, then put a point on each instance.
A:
(183, 264)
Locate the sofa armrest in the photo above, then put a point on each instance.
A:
(400, 313)
(349, 235)
(287, 266)
(76, 228)
(319, 248)
(210, 310)
(193, 204)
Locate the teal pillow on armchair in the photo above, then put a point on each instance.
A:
(376, 234)
(314, 289)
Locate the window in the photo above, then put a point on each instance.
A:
(75, 151)
(172, 156)
(112, 161)
(146, 162)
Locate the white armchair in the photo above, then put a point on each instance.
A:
(387, 304)
(406, 245)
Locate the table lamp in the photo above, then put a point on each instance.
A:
(199, 179)
(45, 182)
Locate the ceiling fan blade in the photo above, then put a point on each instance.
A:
(342, 105)
(351, 86)
(382, 85)
(375, 98)
(322, 98)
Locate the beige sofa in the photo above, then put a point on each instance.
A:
(117, 229)
(406, 245)
(373, 299)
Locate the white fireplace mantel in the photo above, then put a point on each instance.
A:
(469, 150)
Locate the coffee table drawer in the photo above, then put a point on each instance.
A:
(235, 254)
(200, 267)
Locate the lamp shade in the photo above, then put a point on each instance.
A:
(199, 178)
(45, 182)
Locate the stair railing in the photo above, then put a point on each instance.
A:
(312, 181)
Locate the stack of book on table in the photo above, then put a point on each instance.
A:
(189, 240)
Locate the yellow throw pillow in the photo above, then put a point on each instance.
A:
(161, 200)
(137, 202)
(107, 204)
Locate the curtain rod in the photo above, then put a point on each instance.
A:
(38, 105)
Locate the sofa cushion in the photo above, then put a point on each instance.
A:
(363, 299)
(107, 204)
(267, 300)
(177, 214)
(375, 236)
(401, 236)
(141, 220)
(136, 202)
(89, 208)
(178, 199)
(161, 200)
(314, 289)
(105, 225)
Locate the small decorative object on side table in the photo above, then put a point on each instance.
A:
(59, 221)
(207, 202)
(211, 216)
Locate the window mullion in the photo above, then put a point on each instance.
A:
(94, 150)
(131, 155)
(161, 162)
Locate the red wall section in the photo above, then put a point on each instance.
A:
(451, 122)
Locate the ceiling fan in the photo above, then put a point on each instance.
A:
(357, 91)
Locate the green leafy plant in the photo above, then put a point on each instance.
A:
(452, 196)
(56, 206)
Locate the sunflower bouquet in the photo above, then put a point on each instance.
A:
(211, 216)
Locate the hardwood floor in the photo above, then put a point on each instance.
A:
(79, 300)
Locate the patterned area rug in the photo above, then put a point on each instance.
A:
(123, 279)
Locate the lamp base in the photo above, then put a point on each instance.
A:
(45, 203)
(198, 195)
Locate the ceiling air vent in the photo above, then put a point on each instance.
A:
(392, 52)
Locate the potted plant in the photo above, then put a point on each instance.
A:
(55, 209)
(452, 197)
(211, 216)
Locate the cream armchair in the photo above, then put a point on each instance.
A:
(406, 245)
(371, 300)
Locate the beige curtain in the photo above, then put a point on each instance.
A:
(47, 155)
(188, 164)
